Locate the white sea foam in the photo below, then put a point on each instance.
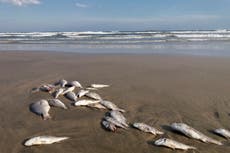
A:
(112, 37)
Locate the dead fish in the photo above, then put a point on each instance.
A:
(68, 90)
(58, 92)
(108, 125)
(223, 132)
(40, 140)
(71, 96)
(82, 93)
(146, 128)
(93, 95)
(193, 133)
(85, 102)
(97, 105)
(119, 117)
(172, 144)
(111, 106)
(99, 85)
(45, 88)
(57, 103)
(115, 122)
(75, 84)
(63, 82)
(42, 108)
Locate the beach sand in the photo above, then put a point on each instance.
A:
(155, 89)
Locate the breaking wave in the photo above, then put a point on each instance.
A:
(113, 37)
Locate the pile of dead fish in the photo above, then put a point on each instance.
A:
(112, 120)
(66, 89)
(83, 97)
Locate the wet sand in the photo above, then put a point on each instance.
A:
(155, 89)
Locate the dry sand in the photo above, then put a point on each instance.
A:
(155, 89)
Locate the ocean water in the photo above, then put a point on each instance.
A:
(205, 42)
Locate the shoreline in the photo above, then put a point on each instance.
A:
(196, 49)
(214, 48)
(67, 53)
(156, 89)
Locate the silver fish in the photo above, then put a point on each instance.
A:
(223, 132)
(193, 133)
(71, 96)
(75, 84)
(82, 93)
(93, 95)
(146, 128)
(62, 82)
(119, 117)
(40, 140)
(108, 125)
(57, 103)
(41, 108)
(45, 88)
(99, 85)
(111, 106)
(172, 144)
(85, 102)
(58, 92)
(115, 122)
(68, 90)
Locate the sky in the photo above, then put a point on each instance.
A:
(113, 15)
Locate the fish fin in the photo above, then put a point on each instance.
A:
(46, 116)
(125, 127)
(121, 110)
(114, 129)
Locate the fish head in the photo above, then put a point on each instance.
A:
(136, 125)
(178, 125)
(77, 103)
(220, 130)
(160, 141)
(30, 142)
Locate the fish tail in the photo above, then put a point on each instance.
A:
(113, 129)
(191, 147)
(64, 138)
(34, 90)
(125, 126)
(159, 132)
(208, 140)
(218, 143)
(56, 96)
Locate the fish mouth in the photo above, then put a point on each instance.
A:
(26, 143)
